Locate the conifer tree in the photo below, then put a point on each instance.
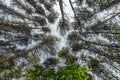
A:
(93, 35)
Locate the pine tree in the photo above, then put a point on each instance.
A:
(93, 35)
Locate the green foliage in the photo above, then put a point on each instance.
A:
(93, 63)
(51, 62)
(40, 20)
(73, 36)
(64, 52)
(30, 11)
(14, 49)
(52, 17)
(13, 71)
(50, 40)
(72, 71)
(46, 29)
(117, 36)
(71, 58)
(76, 47)
(32, 58)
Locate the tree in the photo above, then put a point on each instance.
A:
(26, 37)
(72, 71)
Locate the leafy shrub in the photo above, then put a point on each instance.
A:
(72, 71)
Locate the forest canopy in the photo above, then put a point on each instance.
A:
(51, 33)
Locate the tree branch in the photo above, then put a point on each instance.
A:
(19, 54)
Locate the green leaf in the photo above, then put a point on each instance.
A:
(7, 71)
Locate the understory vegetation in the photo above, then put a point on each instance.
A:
(72, 71)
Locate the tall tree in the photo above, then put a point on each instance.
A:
(91, 37)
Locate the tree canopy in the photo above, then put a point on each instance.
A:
(50, 33)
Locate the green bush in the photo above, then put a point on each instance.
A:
(72, 71)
